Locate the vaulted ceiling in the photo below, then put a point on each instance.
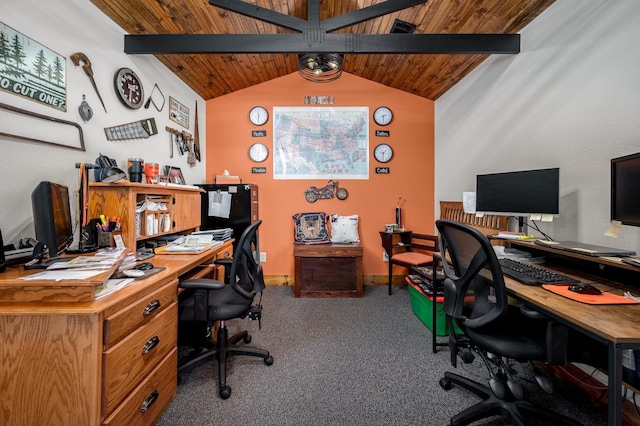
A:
(424, 74)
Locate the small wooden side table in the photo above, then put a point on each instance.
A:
(391, 240)
(328, 270)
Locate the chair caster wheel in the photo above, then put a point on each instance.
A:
(445, 383)
(269, 360)
(247, 339)
(225, 392)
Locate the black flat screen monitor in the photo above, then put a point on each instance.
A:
(520, 193)
(52, 216)
(625, 189)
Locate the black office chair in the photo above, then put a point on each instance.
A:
(475, 298)
(206, 301)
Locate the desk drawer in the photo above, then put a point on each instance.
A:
(147, 402)
(125, 364)
(125, 321)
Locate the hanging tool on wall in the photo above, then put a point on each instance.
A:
(183, 141)
(168, 129)
(196, 137)
(191, 156)
(79, 57)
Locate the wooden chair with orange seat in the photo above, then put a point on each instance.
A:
(414, 249)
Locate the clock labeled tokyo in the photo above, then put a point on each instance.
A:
(129, 88)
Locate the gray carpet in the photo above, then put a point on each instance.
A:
(343, 361)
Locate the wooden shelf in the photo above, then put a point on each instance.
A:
(180, 212)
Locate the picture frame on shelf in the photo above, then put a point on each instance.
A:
(174, 174)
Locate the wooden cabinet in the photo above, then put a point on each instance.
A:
(328, 270)
(168, 209)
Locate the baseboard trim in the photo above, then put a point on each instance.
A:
(289, 280)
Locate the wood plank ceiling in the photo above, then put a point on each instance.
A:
(425, 75)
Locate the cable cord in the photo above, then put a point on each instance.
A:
(536, 228)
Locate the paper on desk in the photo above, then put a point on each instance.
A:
(180, 248)
(65, 274)
(112, 285)
(194, 239)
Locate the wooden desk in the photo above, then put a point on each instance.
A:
(67, 359)
(614, 325)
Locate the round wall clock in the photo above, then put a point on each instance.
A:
(129, 88)
(383, 153)
(382, 116)
(258, 115)
(258, 152)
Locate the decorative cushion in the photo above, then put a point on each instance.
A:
(311, 228)
(344, 229)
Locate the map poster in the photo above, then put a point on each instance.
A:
(29, 69)
(321, 142)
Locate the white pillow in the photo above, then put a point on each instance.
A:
(344, 229)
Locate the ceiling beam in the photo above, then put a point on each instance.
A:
(313, 19)
(314, 37)
(332, 43)
(261, 14)
(367, 13)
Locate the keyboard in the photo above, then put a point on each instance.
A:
(532, 275)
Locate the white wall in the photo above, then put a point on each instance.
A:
(68, 26)
(570, 99)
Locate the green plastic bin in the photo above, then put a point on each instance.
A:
(422, 306)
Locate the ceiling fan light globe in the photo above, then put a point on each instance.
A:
(320, 67)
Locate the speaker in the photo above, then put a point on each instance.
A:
(3, 263)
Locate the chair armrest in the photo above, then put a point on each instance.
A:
(203, 284)
(226, 261)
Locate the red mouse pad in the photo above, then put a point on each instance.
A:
(591, 299)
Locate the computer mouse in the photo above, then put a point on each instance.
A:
(584, 289)
(133, 273)
(144, 266)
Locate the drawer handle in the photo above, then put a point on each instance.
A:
(149, 400)
(152, 306)
(151, 343)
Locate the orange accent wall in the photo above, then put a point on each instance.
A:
(411, 175)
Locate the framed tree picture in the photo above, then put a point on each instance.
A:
(31, 70)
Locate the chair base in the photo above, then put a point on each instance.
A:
(225, 347)
(516, 411)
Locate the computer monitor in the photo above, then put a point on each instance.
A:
(519, 193)
(625, 189)
(52, 216)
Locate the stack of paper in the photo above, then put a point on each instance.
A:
(217, 234)
(104, 258)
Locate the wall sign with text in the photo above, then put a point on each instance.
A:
(178, 112)
(30, 70)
